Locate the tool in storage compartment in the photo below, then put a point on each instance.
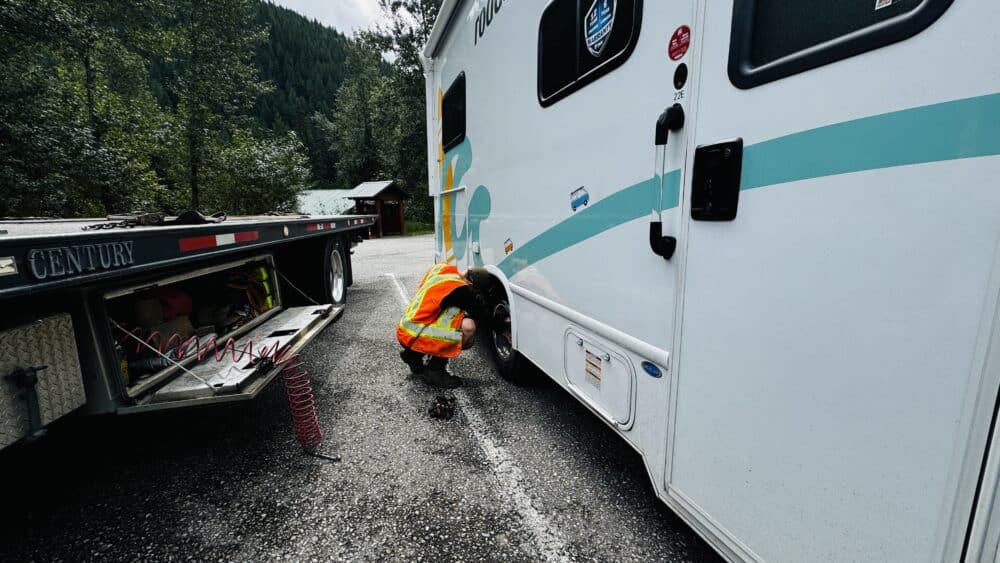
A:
(215, 303)
(218, 334)
(44, 349)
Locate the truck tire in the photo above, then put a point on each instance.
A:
(511, 365)
(335, 272)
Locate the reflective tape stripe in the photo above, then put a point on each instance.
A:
(448, 317)
(431, 331)
(418, 301)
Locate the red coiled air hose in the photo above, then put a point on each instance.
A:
(301, 401)
(298, 387)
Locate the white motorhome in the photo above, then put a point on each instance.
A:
(758, 238)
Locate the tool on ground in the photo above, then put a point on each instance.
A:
(442, 407)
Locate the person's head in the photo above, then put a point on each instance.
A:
(479, 278)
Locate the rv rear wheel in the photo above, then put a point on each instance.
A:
(510, 363)
(335, 268)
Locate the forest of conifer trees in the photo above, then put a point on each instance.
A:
(229, 105)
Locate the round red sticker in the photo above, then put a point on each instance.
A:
(679, 43)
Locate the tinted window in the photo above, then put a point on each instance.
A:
(453, 114)
(581, 40)
(772, 39)
(557, 48)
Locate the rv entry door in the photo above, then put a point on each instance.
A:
(838, 246)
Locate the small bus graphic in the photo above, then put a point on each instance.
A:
(579, 198)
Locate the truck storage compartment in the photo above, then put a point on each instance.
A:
(210, 335)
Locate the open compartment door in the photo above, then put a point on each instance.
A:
(241, 370)
(212, 335)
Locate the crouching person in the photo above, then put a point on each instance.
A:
(441, 322)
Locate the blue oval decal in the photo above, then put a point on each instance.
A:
(651, 369)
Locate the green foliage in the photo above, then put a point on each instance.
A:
(252, 175)
(400, 101)
(214, 80)
(229, 105)
(73, 133)
(414, 228)
(355, 122)
(306, 62)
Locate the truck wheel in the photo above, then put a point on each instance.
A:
(510, 363)
(335, 268)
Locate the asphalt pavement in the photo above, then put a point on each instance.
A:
(519, 474)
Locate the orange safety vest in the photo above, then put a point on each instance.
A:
(425, 328)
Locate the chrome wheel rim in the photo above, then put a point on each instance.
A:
(502, 340)
(336, 276)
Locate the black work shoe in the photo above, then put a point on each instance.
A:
(440, 378)
(416, 364)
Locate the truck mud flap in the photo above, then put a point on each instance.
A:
(238, 376)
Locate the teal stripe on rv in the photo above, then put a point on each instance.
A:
(960, 129)
(618, 208)
(952, 130)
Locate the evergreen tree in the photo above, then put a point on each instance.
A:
(355, 120)
(215, 80)
(306, 61)
(233, 104)
(76, 117)
(407, 29)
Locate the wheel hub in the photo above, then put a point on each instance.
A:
(502, 340)
(336, 276)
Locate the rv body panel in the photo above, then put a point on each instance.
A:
(829, 330)
(805, 380)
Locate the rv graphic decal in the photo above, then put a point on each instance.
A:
(579, 198)
(962, 132)
(453, 240)
(598, 24)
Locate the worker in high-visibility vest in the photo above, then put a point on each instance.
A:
(441, 322)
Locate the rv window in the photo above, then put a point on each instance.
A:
(772, 39)
(581, 40)
(453, 114)
(557, 48)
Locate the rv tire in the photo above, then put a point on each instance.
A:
(511, 365)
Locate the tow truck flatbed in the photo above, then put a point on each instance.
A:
(133, 313)
(42, 254)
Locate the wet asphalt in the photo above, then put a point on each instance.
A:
(519, 474)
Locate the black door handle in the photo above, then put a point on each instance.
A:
(672, 119)
(661, 245)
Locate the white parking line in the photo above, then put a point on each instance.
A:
(509, 477)
(399, 287)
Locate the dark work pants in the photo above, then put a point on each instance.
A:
(410, 356)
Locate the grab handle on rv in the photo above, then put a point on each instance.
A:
(661, 245)
(672, 119)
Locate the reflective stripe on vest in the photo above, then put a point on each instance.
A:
(441, 329)
(425, 327)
